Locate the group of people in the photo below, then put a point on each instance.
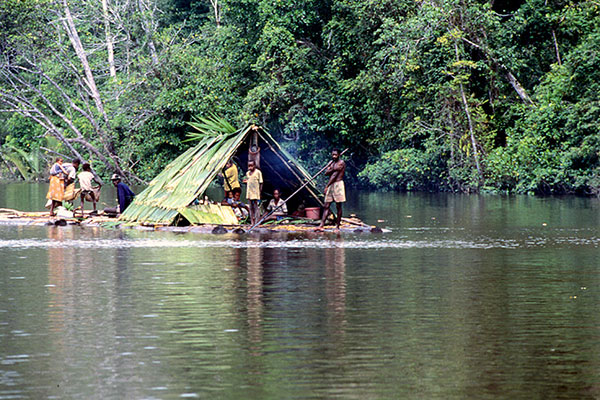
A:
(277, 208)
(63, 177)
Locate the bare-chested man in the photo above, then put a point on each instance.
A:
(335, 190)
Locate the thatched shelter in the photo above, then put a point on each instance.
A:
(168, 198)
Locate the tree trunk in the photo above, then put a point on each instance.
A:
(509, 75)
(91, 83)
(109, 42)
(148, 28)
(556, 47)
(215, 5)
(517, 86)
(78, 47)
(470, 122)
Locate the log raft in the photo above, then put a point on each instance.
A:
(32, 218)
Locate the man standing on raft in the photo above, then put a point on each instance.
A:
(335, 190)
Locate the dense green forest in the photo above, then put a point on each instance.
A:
(436, 95)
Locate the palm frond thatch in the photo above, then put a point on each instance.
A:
(169, 195)
(209, 127)
(184, 179)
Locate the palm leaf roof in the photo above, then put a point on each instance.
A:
(169, 194)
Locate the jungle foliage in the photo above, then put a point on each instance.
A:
(440, 95)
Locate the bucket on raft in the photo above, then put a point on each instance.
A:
(313, 212)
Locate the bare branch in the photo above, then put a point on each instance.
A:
(217, 11)
(27, 109)
(507, 73)
(470, 123)
(109, 42)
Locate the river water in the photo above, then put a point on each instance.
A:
(468, 297)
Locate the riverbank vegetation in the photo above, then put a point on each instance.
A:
(441, 95)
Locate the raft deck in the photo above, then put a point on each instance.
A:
(43, 218)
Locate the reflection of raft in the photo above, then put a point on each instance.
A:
(15, 217)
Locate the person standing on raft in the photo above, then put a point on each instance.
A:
(56, 190)
(230, 178)
(254, 180)
(334, 190)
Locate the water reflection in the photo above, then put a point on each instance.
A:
(269, 286)
(89, 317)
(254, 297)
(445, 319)
(335, 291)
(482, 302)
(59, 272)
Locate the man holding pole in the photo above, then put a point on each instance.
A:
(335, 190)
(339, 200)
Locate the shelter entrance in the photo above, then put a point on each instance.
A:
(279, 171)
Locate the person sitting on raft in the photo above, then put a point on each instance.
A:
(86, 177)
(240, 209)
(300, 212)
(277, 206)
(124, 194)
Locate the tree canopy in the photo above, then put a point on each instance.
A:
(440, 95)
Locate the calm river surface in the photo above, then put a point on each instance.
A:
(481, 297)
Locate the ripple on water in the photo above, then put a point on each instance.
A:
(14, 359)
(480, 243)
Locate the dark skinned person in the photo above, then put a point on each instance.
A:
(124, 194)
(334, 190)
(254, 180)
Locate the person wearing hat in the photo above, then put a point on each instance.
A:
(124, 194)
